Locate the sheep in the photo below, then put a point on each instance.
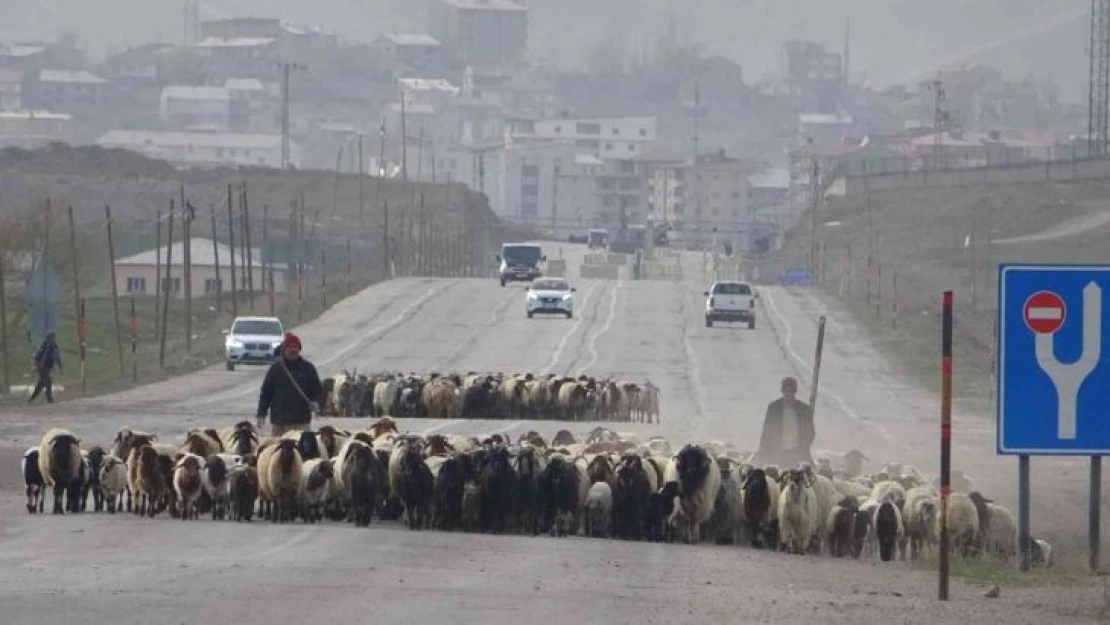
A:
(889, 490)
(761, 505)
(797, 512)
(331, 440)
(889, 531)
(59, 462)
(1040, 552)
(32, 478)
(203, 443)
(919, 514)
(242, 488)
(415, 488)
(146, 481)
(599, 509)
(559, 495)
(661, 505)
(631, 496)
(851, 488)
(113, 481)
(861, 531)
(839, 527)
(963, 524)
(997, 530)
(728, 509)
(241, 440)
(363, 477)
(698, 480)
(450, 484)
(188, 483)
(498, 483)
(79, 486)
(216, 485)
(279, 478)
(316, 478)
(528, 468)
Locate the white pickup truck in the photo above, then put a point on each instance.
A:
(730, 301)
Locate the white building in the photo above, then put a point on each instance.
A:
(204, 149)
(618, 138)
(182, 107)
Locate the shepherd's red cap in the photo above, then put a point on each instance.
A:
(291, 340)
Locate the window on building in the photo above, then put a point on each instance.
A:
(173, 286)
(608, 146)
(212, 285)
(628, 167)
(558, 130)
(631, 148)
(616, 131)
(643, 132)
(586, 128)
(136, 285)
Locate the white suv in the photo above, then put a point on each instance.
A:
(252, 340)
(730, 301)
(550, 295)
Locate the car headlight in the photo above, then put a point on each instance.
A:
(566, 297)
(234, 343)
(531, 296)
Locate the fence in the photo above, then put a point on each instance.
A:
(120, 324)
(881, 174)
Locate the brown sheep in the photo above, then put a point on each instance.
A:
(188, 484)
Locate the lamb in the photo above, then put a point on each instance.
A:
(963, 524)
(797, 512)
(188, 484)
(889, 531)
(761, 505)
(59, 462)
(839, 527)
(1041, 552)
(415, 488)
(279, 478)
(216, 484)
(316, 478)
(32, 478)
(113, 481)
(242, 488)
(919, 518)
(698, 480)
(599, 509)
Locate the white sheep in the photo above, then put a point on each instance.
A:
(599, 510)
(59, 462)
(919, 514)
(316, 485)
(279, 478)
(798, 521)
(889, 490)
(1001, 538)
(188, 483)
(699, 479)
(113, 481)
(851, 488)
(963, 524)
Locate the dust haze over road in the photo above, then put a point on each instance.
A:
(714, 384)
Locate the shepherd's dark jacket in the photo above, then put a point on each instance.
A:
(280, 398)
(770, 443)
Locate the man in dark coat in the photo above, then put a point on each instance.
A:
(45, 359)
(292, 390)
(787, 430)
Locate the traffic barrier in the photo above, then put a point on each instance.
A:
(594, 259)
(600, 272)
(618, 259)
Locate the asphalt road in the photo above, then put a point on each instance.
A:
(714, 385)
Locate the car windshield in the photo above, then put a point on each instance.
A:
(550, 285)
(732, 288)
(521, 254)
(257, 326)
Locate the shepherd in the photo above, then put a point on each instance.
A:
(292, 390)
(788, 431)
(45, 359)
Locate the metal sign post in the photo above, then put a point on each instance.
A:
(1053, 384)
(945, 443)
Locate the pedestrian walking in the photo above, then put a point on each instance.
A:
(46, 358)
(292, 390)
(788, 431)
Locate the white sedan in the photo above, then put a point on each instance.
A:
(550, 295)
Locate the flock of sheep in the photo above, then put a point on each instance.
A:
(490, 396)
(606, 485)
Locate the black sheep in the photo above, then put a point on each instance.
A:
(32, 478)
(659, 511)
(840, 534)
(888, 529)
(96, 461)
(242, 492)
(757, 508)
(363, 476)
(630, 499)
(448, 491)
(527, 491)
(498, 482)
(416, 485)
(559, 495)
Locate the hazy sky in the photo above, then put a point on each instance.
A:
(892, 40)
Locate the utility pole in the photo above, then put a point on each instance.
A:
(940, 117)
(814, 194)
(361, 173)
(694, 181)
(285, 68)
(404, 141)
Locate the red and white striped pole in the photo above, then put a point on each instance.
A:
(945, 440)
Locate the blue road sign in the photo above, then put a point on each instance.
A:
(796, 276)
(1053, 372)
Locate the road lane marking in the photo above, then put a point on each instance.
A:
(558, 353)
(591, 346)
